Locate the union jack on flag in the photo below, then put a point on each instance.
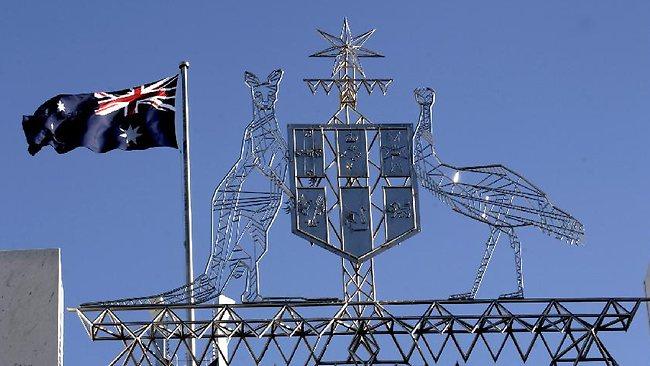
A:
(160, 95)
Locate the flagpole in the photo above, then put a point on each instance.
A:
(184, 66)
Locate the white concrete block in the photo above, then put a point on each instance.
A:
(222, 343)
(31, 308)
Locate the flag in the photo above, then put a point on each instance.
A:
(129, 119)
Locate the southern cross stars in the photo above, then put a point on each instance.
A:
(130, 134)
(346, 49)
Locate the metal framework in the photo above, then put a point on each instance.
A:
(247, 200)
(357, 329)
(492, 194)
(426, 332)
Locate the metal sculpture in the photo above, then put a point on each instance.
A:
(244, 205)
(248, 198)
(492, 194)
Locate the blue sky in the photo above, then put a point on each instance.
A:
(556, 90)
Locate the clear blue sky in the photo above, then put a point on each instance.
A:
(557, 90)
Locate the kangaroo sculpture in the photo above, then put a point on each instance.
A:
(248, 198)
(491, 194)
(244, 205)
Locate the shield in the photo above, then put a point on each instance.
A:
(354, 187)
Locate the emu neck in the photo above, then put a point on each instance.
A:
(424, 131)
(425, 118)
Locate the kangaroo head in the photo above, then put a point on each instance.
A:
(425, 96)
(264, 93)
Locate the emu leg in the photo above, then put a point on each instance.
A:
(516, 248)
(490, 244)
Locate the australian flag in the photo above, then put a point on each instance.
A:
(130, 119)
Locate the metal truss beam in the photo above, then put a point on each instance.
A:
(394, 332)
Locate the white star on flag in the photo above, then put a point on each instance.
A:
(130, 134)
(60, 106)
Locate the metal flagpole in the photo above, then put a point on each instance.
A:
(184, 66)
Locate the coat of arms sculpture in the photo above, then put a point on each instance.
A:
(351, 187)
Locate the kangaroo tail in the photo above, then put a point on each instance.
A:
(202, 287)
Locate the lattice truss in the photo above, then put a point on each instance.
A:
(556, 331)
(492, 194)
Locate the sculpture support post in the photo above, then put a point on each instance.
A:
(188, 202)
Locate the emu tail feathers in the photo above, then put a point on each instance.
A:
(559, 224)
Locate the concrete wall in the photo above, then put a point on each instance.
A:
(31, 308)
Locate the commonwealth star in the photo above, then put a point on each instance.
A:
(130, 134)
(346, 49)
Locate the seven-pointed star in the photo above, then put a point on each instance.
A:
(60, 106)
(130, 134)
(346, 49)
